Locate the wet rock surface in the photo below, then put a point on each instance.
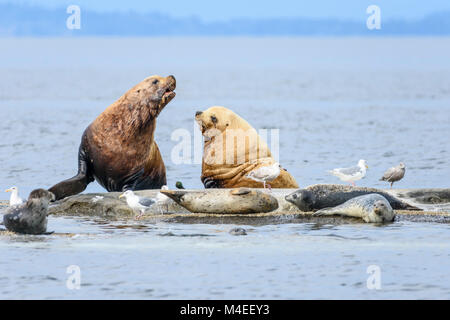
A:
(109, 206)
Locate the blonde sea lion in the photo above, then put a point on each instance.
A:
(118, 148)
(222, 201)
(232, 150)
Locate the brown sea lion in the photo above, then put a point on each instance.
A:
(232, 150)
(118, 148)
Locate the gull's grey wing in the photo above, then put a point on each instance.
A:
(146, 202)
(393, 174)
(349, 171)
(263, 172)
(388, 174)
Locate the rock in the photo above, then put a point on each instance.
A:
(113, 208)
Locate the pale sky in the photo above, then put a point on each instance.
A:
(227, 9)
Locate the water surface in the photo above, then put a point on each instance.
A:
(334, 100)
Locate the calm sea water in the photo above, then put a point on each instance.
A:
(333, 100)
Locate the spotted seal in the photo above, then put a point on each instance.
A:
(223, 201)
(31, 217)
(372, 208)
(321, 196)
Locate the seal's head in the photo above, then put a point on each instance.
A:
(382, 212)
(302, 198)
(40, 197)
(154, 92)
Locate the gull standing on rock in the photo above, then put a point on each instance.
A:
(351, 174)
(14, 200)
(394, 174)
(265, 174)
(163, 200)
(137, 203)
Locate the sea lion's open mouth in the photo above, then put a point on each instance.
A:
(169, 93)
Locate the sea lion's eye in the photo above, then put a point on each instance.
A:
(294, 196)
(155, 81)
(213, 119)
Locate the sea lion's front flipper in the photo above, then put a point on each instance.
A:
(69, 187)
(75, 184)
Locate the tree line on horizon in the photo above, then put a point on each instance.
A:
(19, 20)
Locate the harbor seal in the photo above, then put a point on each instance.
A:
(372, 208)
(233, 149)
(321, 196)
(221, 201)
(31, 217)
(118, 148)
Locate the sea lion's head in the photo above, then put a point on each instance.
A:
(216, 120)
(154, 92)
(382, 212)
(302, 198)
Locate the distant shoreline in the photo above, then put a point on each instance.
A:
(23, 20)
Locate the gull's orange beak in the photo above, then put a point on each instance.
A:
(367, 167)
(8, 190)
(121, 196)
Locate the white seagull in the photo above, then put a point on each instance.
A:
(351, 174)
(265, 174)
(14, 200)
(163, 200)
(137, 203)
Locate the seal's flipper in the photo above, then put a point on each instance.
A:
(324, 212)
(175, 195)
(240, 191)
(78, 183)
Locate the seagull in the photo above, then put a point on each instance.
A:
(394, 174)
(31, 217)
(14, 200)
(163, 200)
(265, 174)
(351, 174)
(137, 203)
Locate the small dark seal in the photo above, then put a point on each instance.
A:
(31, 217)
(321, 196)
(238, 232)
